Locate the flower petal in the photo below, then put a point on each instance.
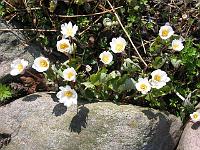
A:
(14, 72)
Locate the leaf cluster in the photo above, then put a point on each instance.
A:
(5, 92)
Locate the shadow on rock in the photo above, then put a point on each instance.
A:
(195, 126)
(53, 96)
(162, 131)
(7, 79)
(4, 139)
(31, 97)
(59, 109)
(79, 120)
(33, 49)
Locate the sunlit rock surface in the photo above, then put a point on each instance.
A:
(39, 122)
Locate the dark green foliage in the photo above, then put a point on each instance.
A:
(5, 92)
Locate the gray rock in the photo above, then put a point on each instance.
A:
(39, 122)
(13, 46)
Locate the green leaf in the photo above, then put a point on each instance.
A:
(175, 62)
(153, 100)
(129, 65)
(96, 79)
(127, 86)
(136, 8)
(88, 85)
(75, 63)
(103, 77)
(161, 92)
(130, 84)
(158, 62)
(113, 75)
(121, 84)
(198, 63)
(156, 45)
(5, 92)
(50, 74)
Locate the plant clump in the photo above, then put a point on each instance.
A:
(104, 54)
(5, 93)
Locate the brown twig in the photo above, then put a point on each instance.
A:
(54, 30)
(90, 25)
(38, 30)
(189, 29)
(94, 14)
(127, 34)
(9, 4)
(35, 8)
(143, 46)
(13, 16)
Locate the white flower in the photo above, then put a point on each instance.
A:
(159, 79)
(143, 85)
(106, 57)
(67, 96)
(68, 30)
(177, 45)
(166, 32)
(195, 116)
(69, 74)
(18, 66)
(64, 46)
(88, 68)
(118, 45)
(41, 64)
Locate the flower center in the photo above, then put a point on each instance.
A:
(43, 63)
(195, 116)
(165, 32)
(69, 32)
(105, 58)
(70, 75)
(64, 45)
(119, 47)
(143, 86)
(175, 46)
(68, 94)
(20, 67)
(157, 78)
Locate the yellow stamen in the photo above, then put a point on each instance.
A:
(143, 86)
(20, 67)
(70, 75)
(165, 32)
(64, 45)
(68, 94)
(157, 77)
(119, 47)
(175, 46)
(195, 116)
(105, 58)
(43, 63)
